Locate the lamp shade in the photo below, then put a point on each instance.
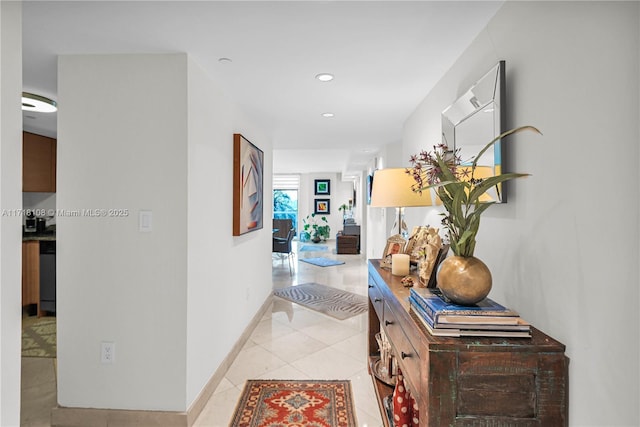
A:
(392, 188)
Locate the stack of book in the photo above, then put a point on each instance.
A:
(484, 319)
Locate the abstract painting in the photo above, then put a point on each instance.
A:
(248, 194)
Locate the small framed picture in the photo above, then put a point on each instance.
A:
(395, 245)
(322, 187)
(322, 206)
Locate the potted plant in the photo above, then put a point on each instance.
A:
(462, 278)
(316, 227)
(346, 210)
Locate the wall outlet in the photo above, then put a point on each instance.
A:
(108, 352)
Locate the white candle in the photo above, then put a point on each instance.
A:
(400, 264)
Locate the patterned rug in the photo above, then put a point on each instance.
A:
(333, 302)
(317, 403)
(39, 337)
(321, 261)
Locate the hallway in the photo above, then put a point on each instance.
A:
(293, 342)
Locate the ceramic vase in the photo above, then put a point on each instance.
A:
(464, 280)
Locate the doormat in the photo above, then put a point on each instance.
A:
(333, 302)
(321, 261)
(295, 403)
(39, 337)
(309, 248)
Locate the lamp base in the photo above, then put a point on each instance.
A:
(400, 225)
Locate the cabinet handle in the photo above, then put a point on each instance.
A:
(370, 286)
(404, 355)
(388, 322)
(377, 300)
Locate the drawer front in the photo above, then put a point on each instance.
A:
(377, 301)
(406, 354)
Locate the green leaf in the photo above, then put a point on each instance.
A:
(487, 183)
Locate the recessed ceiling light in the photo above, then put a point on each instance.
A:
(328, 115)
(324, 77)
(225, 60)
(40, 104)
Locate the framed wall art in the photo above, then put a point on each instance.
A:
(322, 206)
(248, 192)
(322, 187)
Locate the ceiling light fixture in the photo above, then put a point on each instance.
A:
(224, 60)
(324, 77)
(327, 115)
(40, 104)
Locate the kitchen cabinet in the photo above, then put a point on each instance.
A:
(466, 381)
(31, 273)
(38, 163)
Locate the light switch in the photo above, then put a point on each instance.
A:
(146, 221)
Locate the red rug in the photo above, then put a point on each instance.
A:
(295, 403)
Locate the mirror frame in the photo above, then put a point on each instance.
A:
(471, 109)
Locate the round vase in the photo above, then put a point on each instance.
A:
(316, 239)
(464, 280)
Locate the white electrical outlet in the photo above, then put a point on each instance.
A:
(108, 352)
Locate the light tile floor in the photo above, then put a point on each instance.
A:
(292, 342)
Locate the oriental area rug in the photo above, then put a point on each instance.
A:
(317, 403)
(333, 302)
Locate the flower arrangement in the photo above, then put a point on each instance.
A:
(458, 188)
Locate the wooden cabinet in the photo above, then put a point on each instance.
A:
(31, 273)
(467, 381)
(38, 163)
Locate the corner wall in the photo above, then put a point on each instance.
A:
(563, 251)
(170, 299)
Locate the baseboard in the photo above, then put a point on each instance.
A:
(199, 403)
(89, 417)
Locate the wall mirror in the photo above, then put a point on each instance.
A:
(473, 120)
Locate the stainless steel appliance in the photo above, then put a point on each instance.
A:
(48, 275)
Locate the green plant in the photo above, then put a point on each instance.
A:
(458, 189)
(317, 227)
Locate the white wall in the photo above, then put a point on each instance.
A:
(122, 144)
(10, 200)
(563, 251)
(341, 192)
(169, 299)
(219, 305)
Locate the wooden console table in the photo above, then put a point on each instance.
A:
(467, 381)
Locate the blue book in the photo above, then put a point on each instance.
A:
(440, 310)
(466, 330)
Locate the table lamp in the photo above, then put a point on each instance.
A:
(392, 189)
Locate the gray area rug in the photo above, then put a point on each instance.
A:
(333, 302)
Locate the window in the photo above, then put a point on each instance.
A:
(285, 197)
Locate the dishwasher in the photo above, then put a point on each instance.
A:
(48, 275)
